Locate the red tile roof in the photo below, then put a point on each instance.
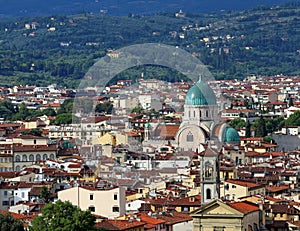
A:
(244, 183)
(119, 224)
(244, 207)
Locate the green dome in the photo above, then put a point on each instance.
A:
(200, 94)
(231, 136)
(147, 125)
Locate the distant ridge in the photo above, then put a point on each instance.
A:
(124, 7)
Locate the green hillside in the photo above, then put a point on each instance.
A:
(60, 49)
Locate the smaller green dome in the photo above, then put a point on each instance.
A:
(231, 136)
(147, 125)
(200, 94)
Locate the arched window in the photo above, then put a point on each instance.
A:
(17, 168)
(38, 157)
(208, 194)
(189, 137)
(189, 114)
(206, 113)
(18, 158)
(45, 157)
(194, 114)
(24, 157)
(51, 156)
(31, 158)
(200, 113)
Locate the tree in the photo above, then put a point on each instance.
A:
(45, 194)
(248, 129)
(291, 103)
(65, 118)
(260, 127)
(63, 216)
(294, 119)
(66, 107)
(139, 110)
(106, 108)
(237, 123)
(8, 223)
(33, 131)
(49, 111)
(23, 113)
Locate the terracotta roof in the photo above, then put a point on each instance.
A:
(119, 224)
(14, 215)
(244, 207)
(7, 175)
(151, 220)
(174, 217)
(166, 131)
(244, 183)
(187, 201)
(22, 148)
(274, 188)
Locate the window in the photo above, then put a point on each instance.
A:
(18, 158)
(194, 114)
(185, 209)
(17, 168)
(91, 197)
(45, 157)
(51, 156)
(233, 186)
(38, 157)
(208, 194)
(116, 197)
(23, 195)
(34, 141)
(189, 137)
(5, 193)
(115, 209)
(206, 113)
(31, 158)
(92, 208)
(24, 158)
(5, 203)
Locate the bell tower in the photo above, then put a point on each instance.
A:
(209, 174)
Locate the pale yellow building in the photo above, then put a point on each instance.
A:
(234, 189)
(107, 202)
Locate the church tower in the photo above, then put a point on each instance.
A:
(209, 175)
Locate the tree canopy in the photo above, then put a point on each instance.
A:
(294, 119)
(237, 123)
(63, 216)
(106, 108)
(8, 223)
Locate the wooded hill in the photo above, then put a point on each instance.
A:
(60, 49)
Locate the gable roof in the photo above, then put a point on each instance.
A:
(236, 209)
